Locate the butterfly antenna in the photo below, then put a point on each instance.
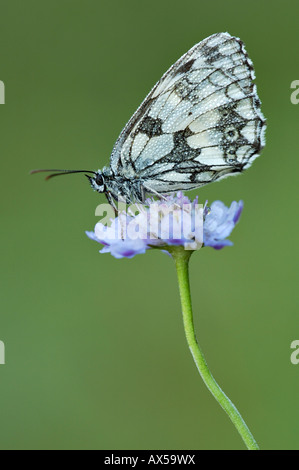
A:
(60, 172)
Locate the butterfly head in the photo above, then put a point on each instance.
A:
(97, 182)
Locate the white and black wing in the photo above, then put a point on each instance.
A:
(201, 122)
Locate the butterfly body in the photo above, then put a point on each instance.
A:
(200, 123)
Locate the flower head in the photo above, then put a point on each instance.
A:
(172, 221)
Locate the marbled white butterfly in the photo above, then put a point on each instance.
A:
(200, 123)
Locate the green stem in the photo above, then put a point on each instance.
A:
(181, 258)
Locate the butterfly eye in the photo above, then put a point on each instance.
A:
(99, 180)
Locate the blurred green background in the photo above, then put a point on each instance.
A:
(96, 356)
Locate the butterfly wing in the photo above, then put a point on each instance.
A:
(201, 122)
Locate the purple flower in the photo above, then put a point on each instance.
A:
(172, 221)
(219, 222)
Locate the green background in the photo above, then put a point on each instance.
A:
(96, 356)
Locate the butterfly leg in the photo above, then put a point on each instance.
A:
(111, 201)
(160, 196)
(152, 191)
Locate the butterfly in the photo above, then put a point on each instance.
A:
(200, 123)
